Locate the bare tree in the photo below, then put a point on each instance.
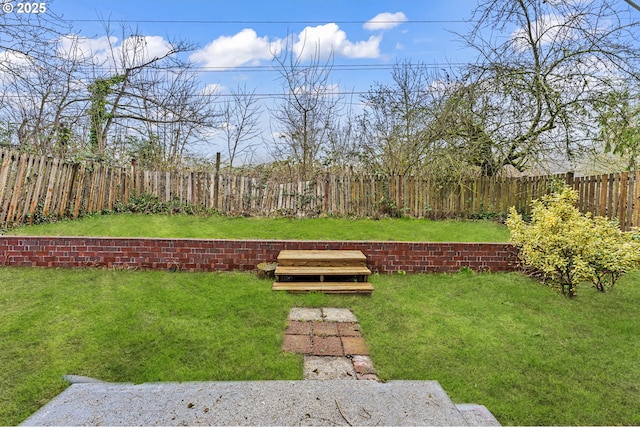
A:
(308, 111)
(39, 82)
(633, 4)
(240, 122)
(126, 67)
(25, 34)
(342, 150)
(393, 126)
(533, 94)
(168, 111)
(45, 100)
(135, 95)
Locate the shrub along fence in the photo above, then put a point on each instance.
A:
(36, 188)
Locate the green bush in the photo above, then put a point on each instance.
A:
(150, 204)
(568, 247)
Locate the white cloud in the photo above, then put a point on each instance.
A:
(136, 50)
(385, 21)
(545, 30)
(323, 40)
(82, 48)
(11, 63)
(8, 58)
(132, 51)
(242, 48)
(213, 89)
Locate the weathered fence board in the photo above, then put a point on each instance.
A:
(38, 187)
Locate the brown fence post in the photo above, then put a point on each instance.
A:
(216, 182)
(569, 179)
(326, 194)
(133, 177)
(622, 210)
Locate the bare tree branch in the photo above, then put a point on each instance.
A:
(633, 4)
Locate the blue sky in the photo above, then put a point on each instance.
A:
(235, 33)
(233, 37)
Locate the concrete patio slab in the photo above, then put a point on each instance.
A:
(330, 402)
(328, 368)
(477, 415)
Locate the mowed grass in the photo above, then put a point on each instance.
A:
(222, 227)
(502, 340)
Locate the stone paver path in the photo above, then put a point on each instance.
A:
(331, 341)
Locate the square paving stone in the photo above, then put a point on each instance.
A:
(363, 365)
(305, 314)
(297, 327)
(354, 345)
(327, 346)
(349, 329)
(325, 328)
(338, 315)
(328, 368)
(297, 344)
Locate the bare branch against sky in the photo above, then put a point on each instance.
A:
(633, 4)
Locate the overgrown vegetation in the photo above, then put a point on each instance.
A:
(569, 247)
(496, 339)
(151, 204)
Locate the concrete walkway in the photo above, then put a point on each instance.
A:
(338, 399)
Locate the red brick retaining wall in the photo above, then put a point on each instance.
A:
(225, 255)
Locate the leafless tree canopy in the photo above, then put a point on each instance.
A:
(542, 69)
(60, 98)
(552, 81)
(308, 112)
(394, 123)
(240, 122)
(545, 73)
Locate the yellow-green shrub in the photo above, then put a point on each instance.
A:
(569, 247)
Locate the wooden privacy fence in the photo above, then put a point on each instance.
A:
(35, 187)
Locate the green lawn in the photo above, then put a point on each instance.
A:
(502, 340)
(221, 227)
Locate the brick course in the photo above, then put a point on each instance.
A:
(226, 255)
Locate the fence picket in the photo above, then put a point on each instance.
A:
(30, 188)
(17, 188)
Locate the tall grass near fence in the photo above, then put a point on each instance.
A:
(36, 188)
